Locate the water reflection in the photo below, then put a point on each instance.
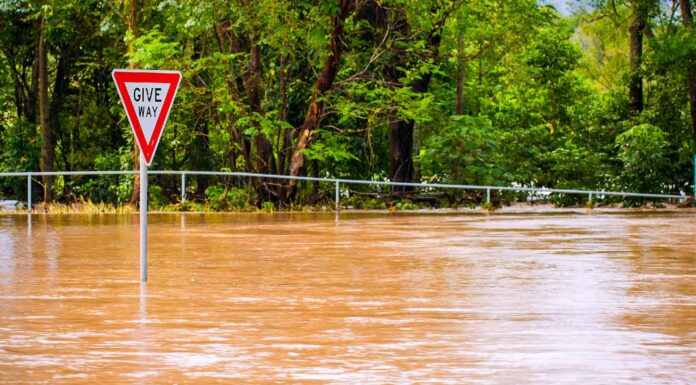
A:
(374, 299)
(7, 254)
(143, 303)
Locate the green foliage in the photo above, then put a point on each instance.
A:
(221, 198)
(330, 147)
(406, 204)
(156, 196)
(642, 151)
(103, 188)
(464, 151)
(362, 203)
(19, 151)
(268, 207)
(152, 50)
(498, 92)
(577, 167)
(489, 206)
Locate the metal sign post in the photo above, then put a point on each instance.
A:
(143, 219)
(147, 97)
(694, 186)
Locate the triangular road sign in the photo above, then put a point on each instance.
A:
(147, 97)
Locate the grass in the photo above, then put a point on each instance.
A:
(88, 207)
(83, 208)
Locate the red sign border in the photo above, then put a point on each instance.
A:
(123, 76)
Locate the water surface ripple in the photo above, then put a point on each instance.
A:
(366, 299)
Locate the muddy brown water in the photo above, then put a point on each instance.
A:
(367, 299)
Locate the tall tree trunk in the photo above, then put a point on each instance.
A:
(60, 87)
(635, 86)
(687, 21)
(460, 74)
(316, 105)
(202, 156)
(30, 111)
(400, 150)
(46, 161)
(31, 100)
(287, 135)
(283, 90)
(241, 141)
(265, 162)
(133, 30)
(401, 132)
(264, 149)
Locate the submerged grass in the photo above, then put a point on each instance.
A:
(84, 208)
(348, 204)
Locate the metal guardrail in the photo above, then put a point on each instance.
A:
(337, 182)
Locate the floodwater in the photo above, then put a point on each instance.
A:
(574, 298)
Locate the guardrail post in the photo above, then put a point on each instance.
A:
(338, 197)
(29, 193)
(590, 200)
(488, 195)
(183, 187)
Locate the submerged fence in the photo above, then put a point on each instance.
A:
(338, 182)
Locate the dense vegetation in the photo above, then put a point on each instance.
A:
(495, 92)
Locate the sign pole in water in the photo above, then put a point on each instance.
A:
(147, 97)
(143, 219)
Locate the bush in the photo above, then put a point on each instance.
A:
(156, 197)
(104, 188)
(19, 151)
(642, 150)
(241, 198)
(268, 207)
(406, 204)
(220, 198)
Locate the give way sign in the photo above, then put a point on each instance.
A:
(147, 97)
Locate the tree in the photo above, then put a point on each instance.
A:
(322, 85)
(687, 21)
(131, 8)
(637, 30)
(47, 151)
(485, 92)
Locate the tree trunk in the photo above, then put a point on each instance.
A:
(133, 29)
(46, 161)
(316, 104)
(222, 33)
(635, 86)
(401, 132)
(30, 112)
(30, 105)
(687, 16)
(283, 90)
(60, 87)
(460, 74)
(285, 136)
(265, 163)
(687, 21)
(400, 151)
(202, 153)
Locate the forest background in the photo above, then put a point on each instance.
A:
(486, 92)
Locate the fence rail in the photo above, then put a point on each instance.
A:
(337, 182)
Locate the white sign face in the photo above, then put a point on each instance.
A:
(148, 100)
